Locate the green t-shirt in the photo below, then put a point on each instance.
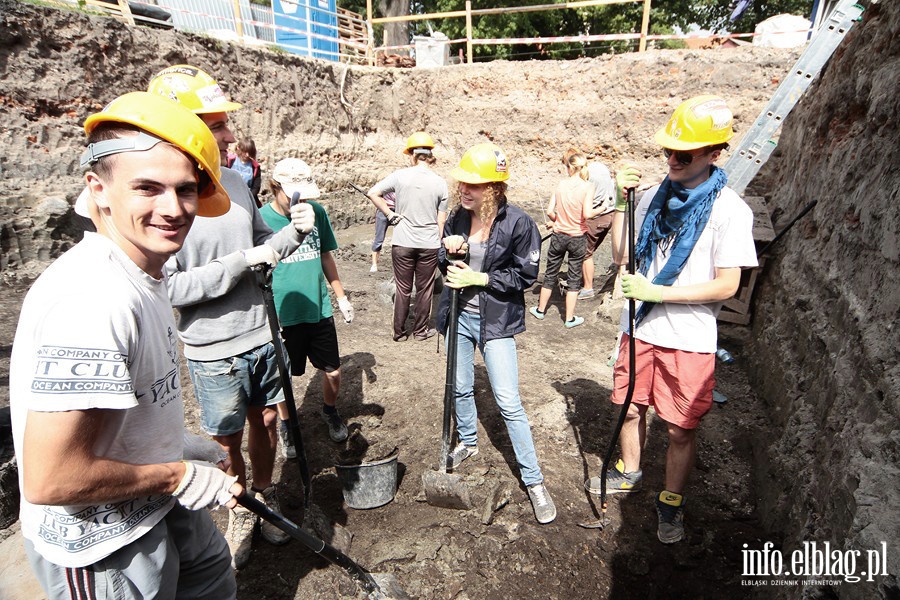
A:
(298, 283)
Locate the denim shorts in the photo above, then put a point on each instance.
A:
(226, 388)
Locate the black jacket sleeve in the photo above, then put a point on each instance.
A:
(525, 243)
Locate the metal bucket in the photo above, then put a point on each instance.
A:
(369, 484)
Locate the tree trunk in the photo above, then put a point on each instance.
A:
(395, 34)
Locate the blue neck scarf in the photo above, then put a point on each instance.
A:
(674, 222)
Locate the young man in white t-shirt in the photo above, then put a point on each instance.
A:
(693, 235)
(108, 506)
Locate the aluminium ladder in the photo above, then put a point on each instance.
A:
(757, 145)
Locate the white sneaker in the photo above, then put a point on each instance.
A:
(373, 269)
(542, 503)
(270, 533)
(461, 453)
(239, 535)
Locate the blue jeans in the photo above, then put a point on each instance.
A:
(225, 388)
(381, 225)
(503, 371)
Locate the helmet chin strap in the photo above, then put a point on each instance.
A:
(133, 143)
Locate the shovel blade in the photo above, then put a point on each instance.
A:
(388, 588)
(446, 491)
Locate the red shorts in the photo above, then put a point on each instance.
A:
(676, 383)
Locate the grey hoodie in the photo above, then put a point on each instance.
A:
(220, 306)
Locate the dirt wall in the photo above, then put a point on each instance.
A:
(825, 339)
(824, 347)
(57, 67)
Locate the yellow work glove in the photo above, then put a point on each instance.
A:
(639, 287)
(629, 177)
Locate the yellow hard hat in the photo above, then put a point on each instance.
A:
(192, 88)
(419, 139)
(696, 123)
(482, 163)
(168, 121)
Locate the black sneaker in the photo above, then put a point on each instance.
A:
(270, 533)
(617, 481)
(337, 430)
(670, 510)
(287, 441)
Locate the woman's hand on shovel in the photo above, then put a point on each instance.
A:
(461, 275)
(456, 245)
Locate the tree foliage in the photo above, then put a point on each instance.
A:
(666, 17)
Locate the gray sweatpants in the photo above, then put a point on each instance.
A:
(183, 556)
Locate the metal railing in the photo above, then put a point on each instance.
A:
(469, 13)
(314, 31)
(311, 31)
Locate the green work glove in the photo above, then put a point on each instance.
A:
(629, 177)
(461, 275)
(639, 287)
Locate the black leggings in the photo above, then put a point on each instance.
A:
(560, 244)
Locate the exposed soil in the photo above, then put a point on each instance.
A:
(351, 126)
(391, 396)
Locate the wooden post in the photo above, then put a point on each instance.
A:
(370, 31)
(645, 26)
(238, 25)
(126, 12)
(469, 31)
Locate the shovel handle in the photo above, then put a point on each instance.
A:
(450, 382)
(359, 189)
(631, 350)
(264, 278)
(362, 577)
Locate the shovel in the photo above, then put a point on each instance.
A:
(441, 488)
(377, 586)
(313, 516)
(603, 521)
(359, 189)
(264, 279)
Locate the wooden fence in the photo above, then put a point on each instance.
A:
(469, 13)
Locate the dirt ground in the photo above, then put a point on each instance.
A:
(391, 395)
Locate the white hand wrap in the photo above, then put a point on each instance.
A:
(303, 217)
(393, 218)
(262, 254)
(346, 308)
(203, 486)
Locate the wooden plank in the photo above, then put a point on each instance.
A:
(737, 308)
(352, 31)
(733, 317)
(762, 222)
(501, 10)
